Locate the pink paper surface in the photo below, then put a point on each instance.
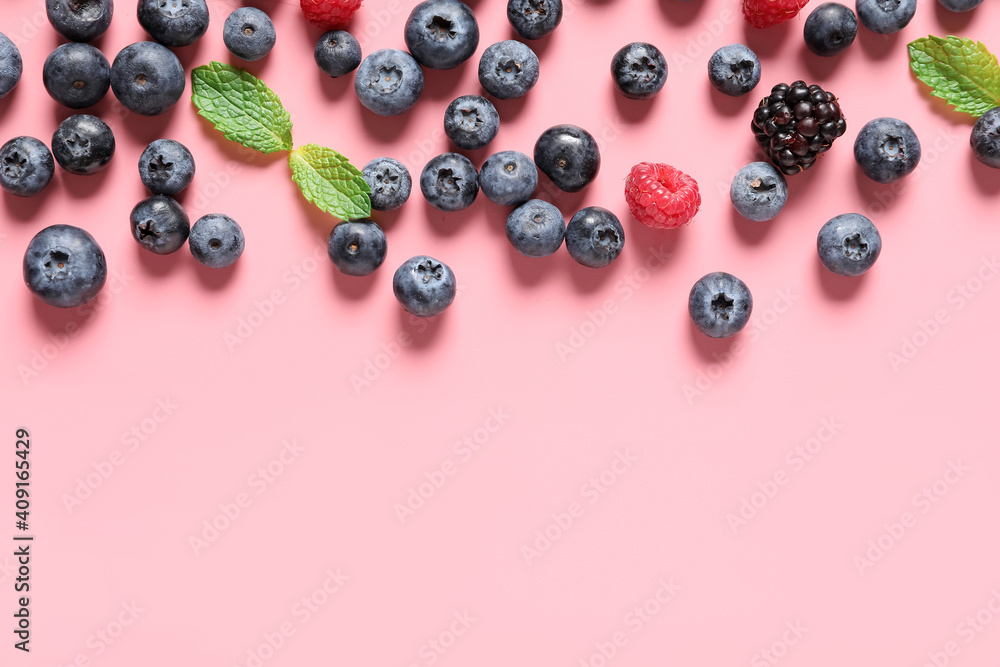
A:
(557, 471)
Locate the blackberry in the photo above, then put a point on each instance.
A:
(796, 124)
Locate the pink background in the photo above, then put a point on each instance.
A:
(557, 374)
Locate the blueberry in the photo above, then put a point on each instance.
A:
(830, 29)
(758, 191)
(357, 247)
(569, 156)
(76, 75)
(166, 167)
(337, 53)
(533, 19)
(80, 20)
(83, 144)
(885, 16)
(595, 237)
(720, 305)
(471, 121)
(536, 228)
(64, 266)
(216, 240)
(389, 82)
(249, 33)
(160, 224)
(848, 244)
(26, 166)
(389, 181)
(734, 69)
(449, 182)
(639, 70)
(10, 65)
(960, 5)
(174, 22)
(147, 78)
(441, 34)
(985, 138)
(424, 286)
(508, 69)
(508, 178)
(886, 149)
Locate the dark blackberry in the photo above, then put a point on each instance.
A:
(797, 123)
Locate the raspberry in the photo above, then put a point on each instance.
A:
(660, 196)
(329, 14)
(766, 13)
(796, 124)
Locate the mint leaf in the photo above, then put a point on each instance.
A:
(328, 180)
(959, 70)
(241, 107)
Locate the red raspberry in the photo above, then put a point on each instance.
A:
(329, 14)
(660, 196)
(765, 13)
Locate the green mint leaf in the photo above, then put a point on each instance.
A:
(328, 180)
(959, 70)
(241, 107)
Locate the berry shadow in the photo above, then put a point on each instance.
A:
(987, 179)
(531, 271)
(56, 320)
(80, 187)
(838, 288)
(334, 87)
(508, 109)
(873, 192)
(585, 279)
(384, 129)
(640, 240)
(146, 129)
(269, 7)
(750, 232)
(876, 46)
(255, 67)
(354, 288)
(765, 42)
(632, 111)
(188, 55)
(320, 222)
(441, 83)
(159, 265)
(539, 46)
(423, 331)
(26, 209)
(445, 223)
(214, 279)
(727, 105)
(496, 219)
(708, 348)
(387, 219)
(820, 68)
(681, 13)
(952, 22)
(8, 101)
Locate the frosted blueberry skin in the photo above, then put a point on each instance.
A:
(720, 305)
(885, 16)
(64, 266)
(536, 228)
(449, 182)
(508, 178)
(389, 181)
(166, 167)
(26, 166)
(829, 29)
(357, 247)
(887, 149)
(337, 53)
(424, 286)
(83, 144)
(11, 65)
(848, 244)
(595, 237)
(216, 241)
(734, 70)
(160, 225)
(533, 19)
(960, 5)
(508, 69)
(80, 21)
(76, 75)
(174, 22)
(147, 78)
(249, 34)
(441, 34)
(758, 191)
(985, 138)
(471, 121)
(389, 82)
(639, 70)
(569, 156)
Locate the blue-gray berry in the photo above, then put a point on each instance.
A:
(76, 75)
(533, 19)
(885, 16)
(357, 247)
(830, 28)
(848, 244)
(595, 237)
(64, 266)
(734, 69)
(147, 78)
(389, 181)
(248, 33)
(960, 5)
(80, 20)
(441, 34)
(388, 82)
(536, 228)
(639, 70)
(83, 144)
(160, 224)
(11, 65)
(424, 286)
(508, 69)
(173, 22)
(449, 182)
(337, 53)
(26, 166)
(216, 240)
(985, 138)
(720, 304)
(569, 156)
(166, 167)
(508, 178)
(886, 149)
(758, 191)
(471, 121)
